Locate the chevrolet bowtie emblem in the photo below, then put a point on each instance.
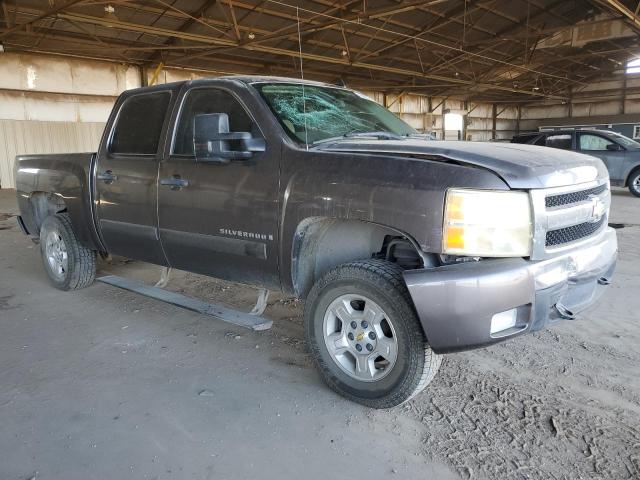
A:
(598, 209)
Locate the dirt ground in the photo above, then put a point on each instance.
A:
(102, 383)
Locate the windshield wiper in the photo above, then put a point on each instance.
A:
(427, 136)
(380, 135)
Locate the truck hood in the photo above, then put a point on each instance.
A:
(520, 166)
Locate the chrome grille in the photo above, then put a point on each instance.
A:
(567, 216)
(573, 233)
(573, 197)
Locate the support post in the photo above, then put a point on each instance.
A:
(623, 107)
(261, 303)
(465, 107)
(156, 74)
(442, 107)
(570, 107)
(164, 277)
(494, 115)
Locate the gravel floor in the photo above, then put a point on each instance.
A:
(102, 383)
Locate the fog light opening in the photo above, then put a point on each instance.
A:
(504, 321)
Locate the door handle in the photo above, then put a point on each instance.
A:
(175, 182)
(107, 177)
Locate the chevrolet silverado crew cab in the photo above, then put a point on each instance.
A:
(402, 248)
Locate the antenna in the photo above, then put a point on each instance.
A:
(304, 98)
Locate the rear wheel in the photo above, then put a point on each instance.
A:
(634, 183)
(69, 265)
(365, 336)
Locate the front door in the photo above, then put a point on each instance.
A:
(219, 219)
(601, 147)
(126, 178)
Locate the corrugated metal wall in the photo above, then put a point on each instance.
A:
(53, 104)
(26, 136)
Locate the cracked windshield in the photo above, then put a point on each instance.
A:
(327, 113)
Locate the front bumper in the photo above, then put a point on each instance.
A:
(456, 303)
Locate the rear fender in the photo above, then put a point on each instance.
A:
(49, 184)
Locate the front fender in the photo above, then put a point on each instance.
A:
(405, 195)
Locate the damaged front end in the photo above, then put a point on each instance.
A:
(573, 255)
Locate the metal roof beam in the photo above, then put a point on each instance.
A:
(48, 13)
(288, 53)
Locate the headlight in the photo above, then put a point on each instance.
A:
(487, 223)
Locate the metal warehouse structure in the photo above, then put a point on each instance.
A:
(505, 66)
(490, 50)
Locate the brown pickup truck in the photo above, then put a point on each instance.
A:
(403, 248)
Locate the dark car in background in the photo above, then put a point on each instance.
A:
(620, 154)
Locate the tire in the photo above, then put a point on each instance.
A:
(634, 183)
(69, 265)
(371, 290)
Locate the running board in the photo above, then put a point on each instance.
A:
(247, 320)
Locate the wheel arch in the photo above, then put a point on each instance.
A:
(633, 171)
(321, 243)
(44, 204)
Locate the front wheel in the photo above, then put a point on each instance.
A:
(68, 264)
(634, 183)
(365, 337)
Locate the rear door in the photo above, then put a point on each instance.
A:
(223, 220)
(599, 146)
(126, 177)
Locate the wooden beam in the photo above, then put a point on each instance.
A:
(156, 74)
(346, 44)
(619, 7)
(235, 21)
(7, 17)
(358, 16)
(398, 99)
(48, 13)
(289, 53)
(451, 16)
(178, 14)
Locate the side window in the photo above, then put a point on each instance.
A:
(541, 140)
(593, 142)
(559, 141)
(139, 124)
(208, 100)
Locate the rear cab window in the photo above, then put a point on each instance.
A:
(541, 141)
(139, 124)
(526, 138)
(562, 141)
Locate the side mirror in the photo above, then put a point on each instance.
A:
(614, 147)
(213, 142)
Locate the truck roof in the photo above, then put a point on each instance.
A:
(248, 79)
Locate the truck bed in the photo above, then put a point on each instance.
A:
(67, 174)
